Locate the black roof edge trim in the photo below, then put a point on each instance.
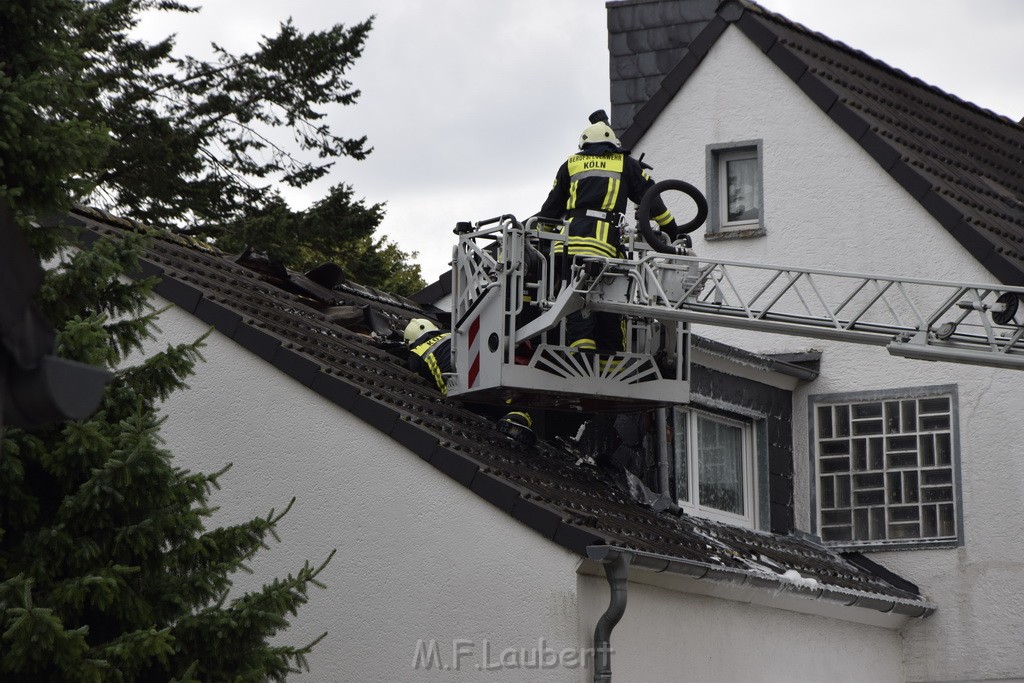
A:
(414, 437)
(575, 538)
(540, 518)
(879, 149)
(456, 465)
(709, 35)
(495, 491)
(852, 123)
(1002, 268)
(910, 179)
(867, 564)
(756, 31)
(816, 89)
(335, 389)
(183, 295)
(259, 342)
(967, 236)
(146, 268)
(375, 413)
(942, 210)
(295, 365)
(223, 319)
(787, 61)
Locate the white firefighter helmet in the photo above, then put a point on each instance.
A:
(596, 132)
(416, 328)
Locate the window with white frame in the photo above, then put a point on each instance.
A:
(887, 468)
(714, 467)
(735, 189)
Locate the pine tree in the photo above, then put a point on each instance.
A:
(108, 571)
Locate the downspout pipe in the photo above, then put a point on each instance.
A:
(616, 569)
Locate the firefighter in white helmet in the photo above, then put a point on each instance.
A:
(591, 189)
(430, 351)
(430, 356)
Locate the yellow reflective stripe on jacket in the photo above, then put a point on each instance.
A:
(426, 352)
(663, 218)
(584, 345)
(526, 417)
(571, 204)
(611, 195)
(590, 246)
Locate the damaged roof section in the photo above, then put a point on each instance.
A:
(328, 333)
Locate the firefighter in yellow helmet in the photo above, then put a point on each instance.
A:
(591, 189)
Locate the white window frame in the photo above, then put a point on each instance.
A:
(890, 462)
(749, 465)
(718, 156)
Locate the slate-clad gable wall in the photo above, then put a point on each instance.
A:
(646, 39)
(828, 204)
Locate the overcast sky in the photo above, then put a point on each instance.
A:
(471, 105)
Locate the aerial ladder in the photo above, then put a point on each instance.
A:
(513, 288)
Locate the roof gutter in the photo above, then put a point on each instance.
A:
(822, 593)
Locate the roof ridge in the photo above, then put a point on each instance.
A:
(885, 66)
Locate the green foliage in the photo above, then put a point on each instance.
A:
(48, 149)
(338, 228)
(194, 140)
(108, 571)
(91, 112)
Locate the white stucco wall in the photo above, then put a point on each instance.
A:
(667, 636)
(828, 205)
(419, 556)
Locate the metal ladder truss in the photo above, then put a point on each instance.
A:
(916, 318)
(512, 291)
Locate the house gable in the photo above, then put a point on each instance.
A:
(963, 164)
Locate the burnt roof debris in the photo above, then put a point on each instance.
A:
(293, 323)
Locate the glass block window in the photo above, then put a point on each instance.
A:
(887, 468)
(714, 469)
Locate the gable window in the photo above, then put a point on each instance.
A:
(887, 468)
(714, 466)
(735, 190)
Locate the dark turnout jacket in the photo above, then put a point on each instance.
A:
(592, 188)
